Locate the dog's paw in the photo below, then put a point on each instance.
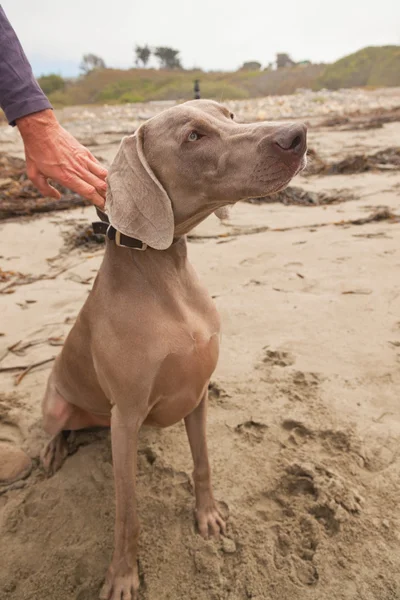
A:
(55, 453)
(120, 586)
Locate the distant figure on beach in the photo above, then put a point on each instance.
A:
(50, 151)
(197, 90)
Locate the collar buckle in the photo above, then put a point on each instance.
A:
(120, 243)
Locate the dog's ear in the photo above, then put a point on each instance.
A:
(137, 204)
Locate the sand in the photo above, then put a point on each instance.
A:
(304, 421)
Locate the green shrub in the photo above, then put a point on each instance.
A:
(130, 97)
(51, 83)
(372, 66)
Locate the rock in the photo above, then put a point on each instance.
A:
(15, 464)
(228, 546)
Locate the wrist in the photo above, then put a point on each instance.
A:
(38, 121)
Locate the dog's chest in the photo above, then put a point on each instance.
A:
(185, 371)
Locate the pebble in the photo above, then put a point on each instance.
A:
(228, 545)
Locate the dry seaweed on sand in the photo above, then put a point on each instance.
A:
(82, 236)
(372, 120)
(6, 276)
(19, 197)
(298, 196)
(387, 159)
(381, 214)
(315, 164)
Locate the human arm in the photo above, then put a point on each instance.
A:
(51, 152)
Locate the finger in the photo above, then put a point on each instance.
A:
(94, 181)
(97, 169)
(221, 524)
(92, 156)
(106, 590)
(87, 191)
(126, 592)
(215, 530)
(203, 527)
(44, 187)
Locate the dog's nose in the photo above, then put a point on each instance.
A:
(292, 138)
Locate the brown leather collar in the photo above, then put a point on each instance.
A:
(104, 227)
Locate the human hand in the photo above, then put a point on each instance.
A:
(52, 152)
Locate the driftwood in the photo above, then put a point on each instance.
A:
(29, 368)
(25, 368)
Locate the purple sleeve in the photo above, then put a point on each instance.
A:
(20, 93)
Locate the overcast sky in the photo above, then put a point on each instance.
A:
(212, 34)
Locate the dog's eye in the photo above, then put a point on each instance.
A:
(232, 115)
(193, 136)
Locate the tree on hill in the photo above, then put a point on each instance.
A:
(168, 58)
(251, 65)
(91, 62)
(143, 54)
(283, 60)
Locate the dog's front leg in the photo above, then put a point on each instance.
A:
(208, 517)
(122, 580)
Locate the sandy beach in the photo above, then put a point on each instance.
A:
(304, 419)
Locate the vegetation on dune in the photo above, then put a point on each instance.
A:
(116, 86)
(372, 66)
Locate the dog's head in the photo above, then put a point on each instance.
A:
(194, 159)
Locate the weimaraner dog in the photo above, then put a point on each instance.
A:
(146, 342)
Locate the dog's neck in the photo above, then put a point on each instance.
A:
(149, 262)
(184, 223)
